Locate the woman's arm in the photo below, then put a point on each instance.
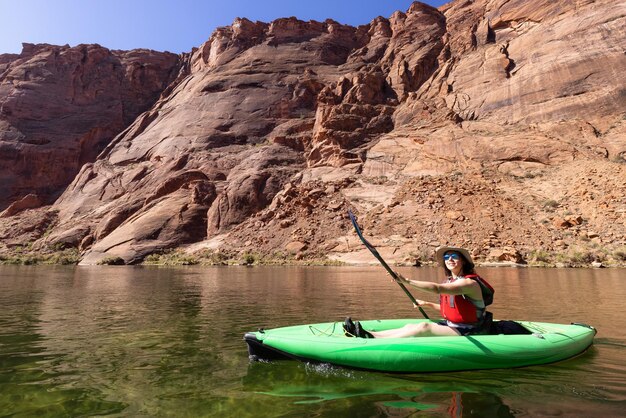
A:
(467, 287)
(427, 286)
(433, 305)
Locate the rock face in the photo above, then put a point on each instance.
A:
(542, 61)
(60, 106)
(498, 125)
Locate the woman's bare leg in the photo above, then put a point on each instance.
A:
(424, 329)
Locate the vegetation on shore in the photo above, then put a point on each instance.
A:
(178, 257)
(26, 257)
(227, 258)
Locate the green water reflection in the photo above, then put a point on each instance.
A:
(332, 390)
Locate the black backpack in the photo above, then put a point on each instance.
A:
(485, 287)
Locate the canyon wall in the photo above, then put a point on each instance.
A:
(498, 125)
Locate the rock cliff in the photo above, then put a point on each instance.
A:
(499, 125)
(60, 106)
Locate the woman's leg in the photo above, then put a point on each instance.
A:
(424, 329)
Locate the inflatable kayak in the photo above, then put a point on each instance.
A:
(541, 343)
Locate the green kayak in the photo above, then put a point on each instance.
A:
(326, 343)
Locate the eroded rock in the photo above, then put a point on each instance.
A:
(61, 106)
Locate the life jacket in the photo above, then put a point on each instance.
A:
(460, 309)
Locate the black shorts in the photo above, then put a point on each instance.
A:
(463, 331)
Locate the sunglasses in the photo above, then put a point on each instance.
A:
(453, 256)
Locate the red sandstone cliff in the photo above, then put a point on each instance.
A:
(499, 125)
(60, 106)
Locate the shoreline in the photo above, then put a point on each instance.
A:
(179, 257)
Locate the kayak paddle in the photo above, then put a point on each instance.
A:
(393, 274)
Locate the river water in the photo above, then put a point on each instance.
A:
(148, 341)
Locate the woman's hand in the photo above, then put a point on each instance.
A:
(401, 279)
(426, 303)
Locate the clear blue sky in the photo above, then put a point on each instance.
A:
(174, 26)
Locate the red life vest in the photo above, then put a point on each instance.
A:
(459, 309)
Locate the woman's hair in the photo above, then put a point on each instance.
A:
(467, 268)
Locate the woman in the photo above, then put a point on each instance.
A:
(462, 301)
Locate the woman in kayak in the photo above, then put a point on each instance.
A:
(463, 298)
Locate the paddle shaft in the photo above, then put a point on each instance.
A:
(384, 264)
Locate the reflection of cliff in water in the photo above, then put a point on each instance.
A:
(478, 405)
(38, 371)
